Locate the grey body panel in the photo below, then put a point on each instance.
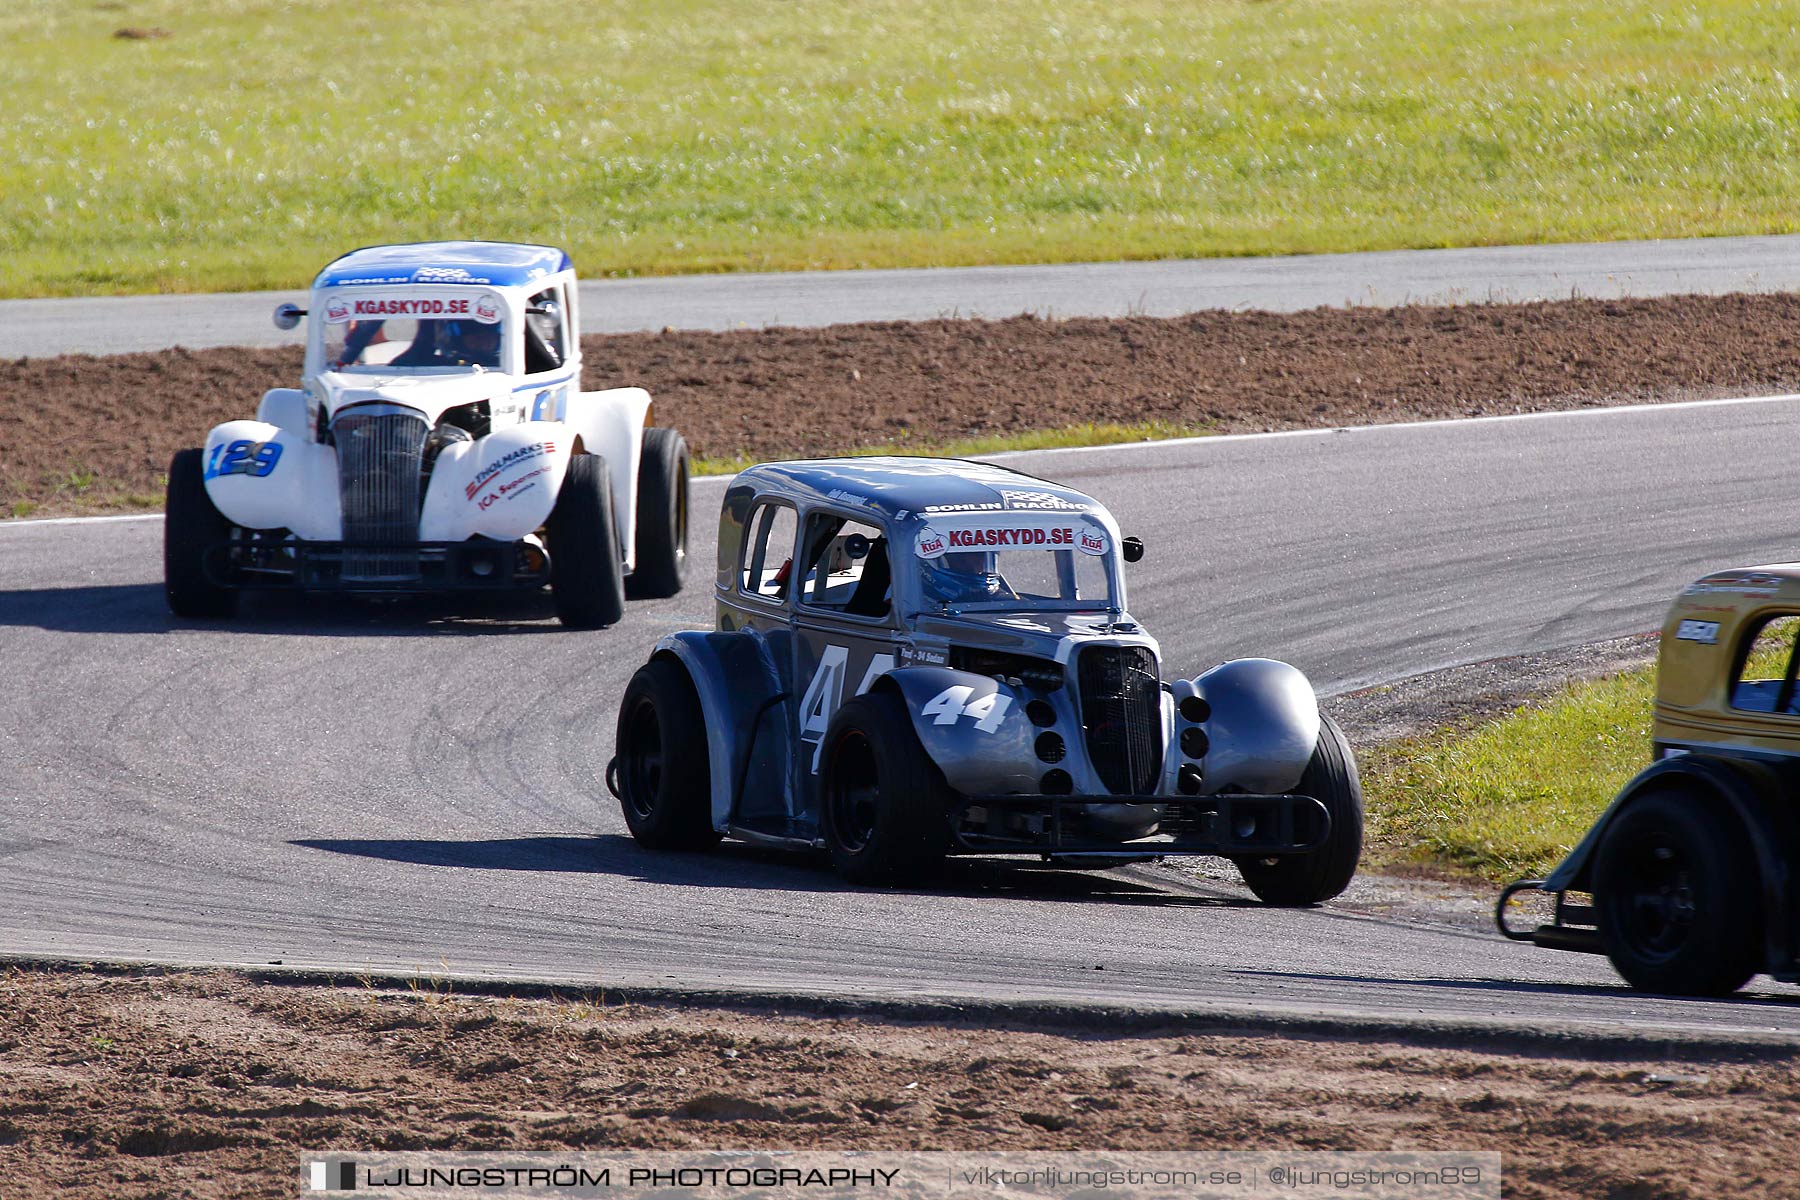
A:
(970, 677)
(1264, 724)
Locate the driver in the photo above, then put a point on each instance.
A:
(471, 344)
(963, 577)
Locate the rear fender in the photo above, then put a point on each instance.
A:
(976, 731)
(746, 705)
(1751, 792)
(1263, 726)
(261, 476)
(500, 486)
(611, 423)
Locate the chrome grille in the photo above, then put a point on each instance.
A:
(1121, 714)
(379, 484)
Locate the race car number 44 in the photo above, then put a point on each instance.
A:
(953, 703)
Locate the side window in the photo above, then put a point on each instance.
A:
(847, 567)
(544, 340)
(768, 552)
(1765, 680)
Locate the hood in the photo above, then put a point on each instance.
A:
(1034, 632)
(430, 394)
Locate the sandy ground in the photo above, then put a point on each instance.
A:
(87, 434)
(190, 1084)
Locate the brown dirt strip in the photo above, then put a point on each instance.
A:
(89, 434)
(204, 1084)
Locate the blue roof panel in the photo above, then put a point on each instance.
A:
(892, 485)
(494, 264)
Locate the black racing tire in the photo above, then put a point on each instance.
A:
(662, 517)
(587, 573)
(1295, 880)
(664, 771)
(191, 524)
(883, 804)
(1675, 896)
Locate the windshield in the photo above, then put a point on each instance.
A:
(381, 333)
(1011, 564)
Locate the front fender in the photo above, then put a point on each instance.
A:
(500, 486)
(1723, 779)
(261, 476)
(744, 701)
(1745, 789)
(974, 728)
(1263, 726)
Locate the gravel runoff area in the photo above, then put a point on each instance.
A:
(89, 434)
(121, 1081)
(150, 1083)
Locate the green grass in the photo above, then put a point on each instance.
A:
(1511, 797)
(264, 136)
(1040, 439)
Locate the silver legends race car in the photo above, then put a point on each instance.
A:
(439, 441)
(920, 657)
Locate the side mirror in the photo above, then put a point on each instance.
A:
(548, 308)
(287, 316)
(1133, 549)
(856, 546)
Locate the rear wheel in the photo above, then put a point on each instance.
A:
(587, 574)
(662, 516)
(885, 806)
(191, 525)
(1674, 896)
(663, 769)
(1292, 880)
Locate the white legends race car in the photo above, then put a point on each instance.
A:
(439, 441)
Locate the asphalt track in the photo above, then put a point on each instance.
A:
(1164, 288)
(403, 787)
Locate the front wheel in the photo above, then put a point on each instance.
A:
(662, 516)
(1673, 896)
(587, 573)
(663, 767)
(885, 806)
(1293, 880)
(191, 526)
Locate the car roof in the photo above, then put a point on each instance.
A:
(892, 485)
(501, 264)
(1745, 589)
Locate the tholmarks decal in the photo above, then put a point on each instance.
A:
(509, 459)
(1705, 632)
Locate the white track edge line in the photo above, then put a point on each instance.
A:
(1158, 443)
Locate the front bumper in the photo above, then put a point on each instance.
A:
(476, 565)
(1233, 826)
